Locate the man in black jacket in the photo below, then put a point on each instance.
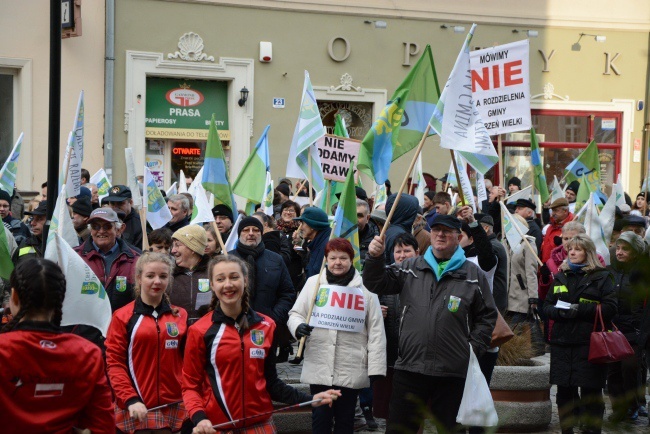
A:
(500, 282)
(367, 228)
(179, 206)
(436, 336)
(526, 208)
(121, 199)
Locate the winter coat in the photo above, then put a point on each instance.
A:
(558, 255)
(341, 358)
(273, 294)
(523, 270)
(403, 218)
(429, 216)
(18, 229)
(191, 289)
(439, 315)
(180, 224)
(423, 237)
(631, 297)
(570, 336)
(120, 282)
(553, 230)
(365, 238)
(391, 327)
(133, 232)
(500, 281)
(52, 381)
(144, 354)
(230, 374)
(536, 232)
(316, 248)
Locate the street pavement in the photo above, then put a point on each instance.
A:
(291, 374)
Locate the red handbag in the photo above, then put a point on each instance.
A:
(607, 346)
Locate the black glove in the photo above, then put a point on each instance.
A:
(569, 313)
(545, 272)
(533, 301)
(303, 330)
(374, 378)
(557, 241)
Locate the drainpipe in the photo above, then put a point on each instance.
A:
(109, 70)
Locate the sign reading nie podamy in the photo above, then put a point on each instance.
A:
(335, 156)
(501, 87)
(182, 109)
(339, 308)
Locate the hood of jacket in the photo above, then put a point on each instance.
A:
(457, 260)
(407, 210)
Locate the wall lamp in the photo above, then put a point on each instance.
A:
(597, 38)
(457, 29)
(243, 96)
(378, 24)
(529, 33)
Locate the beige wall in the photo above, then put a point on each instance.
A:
(300, 42)
(24, 30)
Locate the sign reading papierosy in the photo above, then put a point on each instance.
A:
(501, 87)
(335, 156)
(182, 109)
(339, 308)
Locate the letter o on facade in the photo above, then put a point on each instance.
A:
(330, 48)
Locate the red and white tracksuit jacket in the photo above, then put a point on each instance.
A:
(144, 354)
(228, 375)
(51, 382)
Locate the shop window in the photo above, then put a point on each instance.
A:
(6, 115)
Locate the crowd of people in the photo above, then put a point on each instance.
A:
(197, 331)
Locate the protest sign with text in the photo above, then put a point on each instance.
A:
(335, 156)
(339, 308)
(501, 86)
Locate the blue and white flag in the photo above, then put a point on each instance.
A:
(100, 179)
(10, 167)
(158, 214)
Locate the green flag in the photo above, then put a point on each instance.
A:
(215, 172)
(402, 122)
(252, 178)
(540, 178)
(6, 266)
(587, 164)
(339, 127)
(346, 224)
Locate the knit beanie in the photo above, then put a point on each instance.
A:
(194, 237)
(315, 218)
(249, 221)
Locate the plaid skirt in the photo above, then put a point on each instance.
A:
(266, 427)
(170, 417)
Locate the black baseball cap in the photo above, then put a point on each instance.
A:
(525, 203)
(41, 209)
(118, 193)
(446, 220)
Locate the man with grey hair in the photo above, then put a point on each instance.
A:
(179, 206)
(368, 229)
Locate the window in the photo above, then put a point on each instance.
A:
(6, 115)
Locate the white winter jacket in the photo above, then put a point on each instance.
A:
(339, 358)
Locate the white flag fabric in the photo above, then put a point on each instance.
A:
(197, 180)
(594, 228)
(61, 222)
(465, 184)
(521, 194)
(71, 174)
(481, 192)
(556, 191)
(10, 167)
(456, 118)
(202, 211)
(514, 230)
(620, 193)
(78, 126)
(85, 299)
(608, 214)
(182, 182)
(417, 177)
(380, 195)
(172, 190)
(267, 202)
(132, 181)
(158, 213)
(100, 179)
(231, 242)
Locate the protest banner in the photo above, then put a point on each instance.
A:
(501, 87)
(339, 308)
(335, 156)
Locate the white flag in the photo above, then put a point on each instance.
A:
(85, 299)
(158, 213)
(71, 173)
(620, 193)
(62, 222)
(132, 181)
(481, 192)
(100, 179)
(267, 202)
(418, 178)
(608, 215)
(182, 182)
(172, 190)
(594, 228)
(513, 229)
(521, 194)
(197, 180)
(556, 191)
(202, 211)
(231, 242)
(465, 184)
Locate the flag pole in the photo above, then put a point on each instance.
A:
(523, 237)
(303, 339)
(311, 182)
(298, 190)
(328, 186)
(404, 181)
(502, 168)
(143, 223)
(216, 231)
(460, 189)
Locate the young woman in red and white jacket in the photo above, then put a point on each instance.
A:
(144, 352)
(49, 381)
(229, 368)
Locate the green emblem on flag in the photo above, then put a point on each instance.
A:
(323, 296)
(90, 288)
(257, 337)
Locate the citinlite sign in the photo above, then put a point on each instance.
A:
(182, 109)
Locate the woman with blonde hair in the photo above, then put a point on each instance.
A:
(144, 355)
(579, 287)
(229, 374)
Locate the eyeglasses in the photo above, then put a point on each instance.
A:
(443, 232)
(288, 211)
(99, 226)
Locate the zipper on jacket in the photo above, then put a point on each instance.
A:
(157, 358)
(401, 320)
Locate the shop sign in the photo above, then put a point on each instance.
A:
(501, 87)
(182, 109)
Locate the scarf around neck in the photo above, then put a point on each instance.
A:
(250, 255)
(342, 280)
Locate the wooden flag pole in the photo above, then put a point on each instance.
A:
(523, 237)
(502, 168)
(405, 180)
(301, 347)
(216, 231)
(328, 198)
(143, 223)
(460, 187)
(300, 184)
(311, 182)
